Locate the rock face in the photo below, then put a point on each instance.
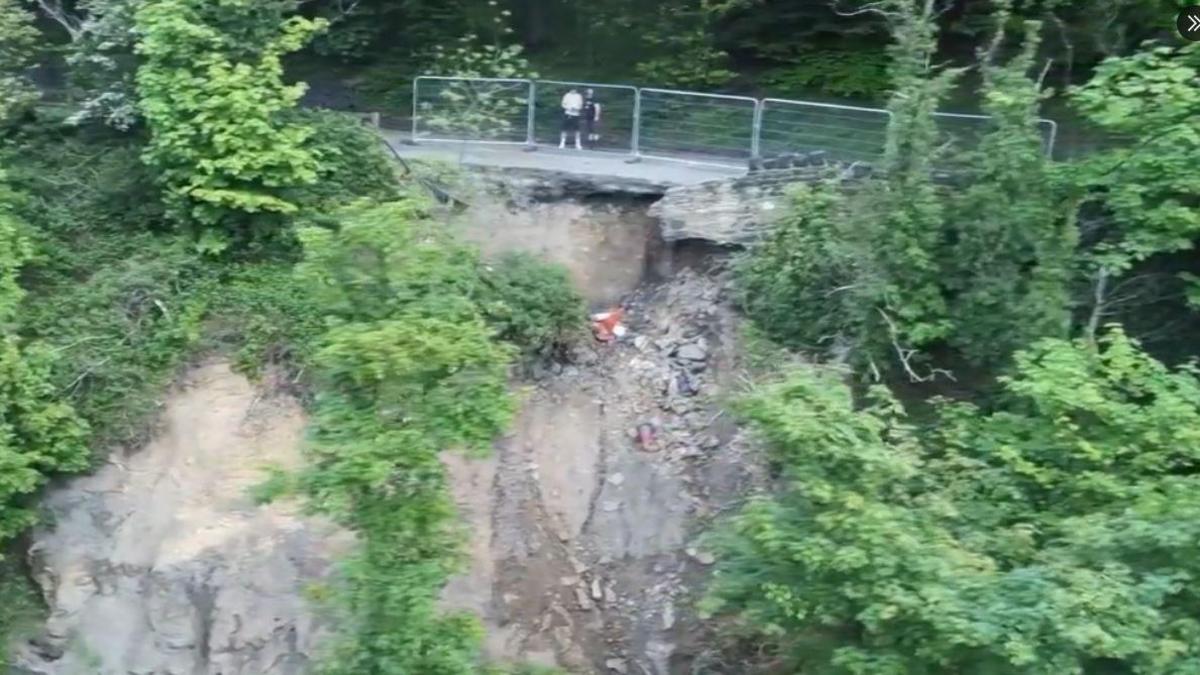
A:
(731, 212)
(160, 562)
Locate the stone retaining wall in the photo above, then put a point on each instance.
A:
(733, 212)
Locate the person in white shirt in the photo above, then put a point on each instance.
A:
(572, 105)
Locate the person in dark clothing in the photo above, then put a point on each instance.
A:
(591, 118)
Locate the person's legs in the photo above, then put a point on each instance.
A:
(566, 127)
(570, 126)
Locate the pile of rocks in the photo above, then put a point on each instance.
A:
(674, 363)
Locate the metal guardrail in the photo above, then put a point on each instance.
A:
(472, 110)
(682, 126)
(697, 128)
(843, 132)
(966, 128)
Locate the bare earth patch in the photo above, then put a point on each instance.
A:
(582, 544)
(161, 563)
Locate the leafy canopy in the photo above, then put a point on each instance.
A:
(40, 434)
(419, 335)
(211, 88)
(910, 261)
(1149, 185)
(1050, 535)
(18, 38)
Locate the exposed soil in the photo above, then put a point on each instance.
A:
(583, 552)
(606, 247)
(160, 562)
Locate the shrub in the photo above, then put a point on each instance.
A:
(406, 368)
(852, 73)
(351, 163)
(530, 303)
(212, 91)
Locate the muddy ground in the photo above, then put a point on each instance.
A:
(583, 552)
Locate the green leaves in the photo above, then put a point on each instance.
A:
(531, 304)
(447, 377)
(906, 264)
(475, 108)
(17, 40)
(225, 157)
(1052, 533)
(1149, 185)
(409, 365)
(39, 433)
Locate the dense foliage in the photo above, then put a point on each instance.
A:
(17, 40)
(1051, 535)
(408, 367)
(211, 88)
(39, 433)
(981, 260)
(1149, 186)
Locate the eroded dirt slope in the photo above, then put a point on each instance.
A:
(161, 563)
(583, 552)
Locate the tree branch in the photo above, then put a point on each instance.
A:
(905, 354)
(53, 9)
(1098, 308)
(872, 8)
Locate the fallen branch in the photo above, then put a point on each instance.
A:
(905, 354)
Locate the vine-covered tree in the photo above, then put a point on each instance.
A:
(1009, 270)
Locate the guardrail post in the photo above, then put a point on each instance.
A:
(756, 135)
(531, 121)
(635, 143)
(416, 98)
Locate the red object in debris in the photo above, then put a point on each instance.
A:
(605, 325)
(645, 436)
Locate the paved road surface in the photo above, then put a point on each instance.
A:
(550, 158)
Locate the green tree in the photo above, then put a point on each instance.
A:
(1008, 271)
(679, 39)
(1148, 186)
(473, 107)
(17, 40)
(39, 433)
(102, 61)
(407, 368)
(211, 88)
(879, 274)
(1054, 534)
(973, 250)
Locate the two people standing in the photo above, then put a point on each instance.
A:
(581, 117)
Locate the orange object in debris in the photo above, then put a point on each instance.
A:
(607, 325)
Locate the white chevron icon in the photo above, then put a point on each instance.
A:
(1194, 23)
